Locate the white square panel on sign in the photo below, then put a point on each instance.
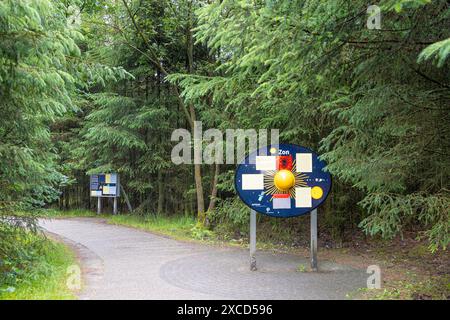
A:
(303, 162)
(281, 203)
(303, 197)
(252, 182)
(266, 163)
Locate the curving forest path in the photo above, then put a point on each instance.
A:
(125, 263)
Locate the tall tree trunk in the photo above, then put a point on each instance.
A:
(200, 198)
(160, 192)
(197, 151)
(212, 201)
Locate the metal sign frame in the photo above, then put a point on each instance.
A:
(316, 163)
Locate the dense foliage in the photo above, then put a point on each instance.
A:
(42, 75)
(371, 100)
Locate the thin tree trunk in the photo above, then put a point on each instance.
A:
(213, 199)
(160, 192)
(197, 167)
(212, 202)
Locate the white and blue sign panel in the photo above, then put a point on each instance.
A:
(285, 180)
(104, 185)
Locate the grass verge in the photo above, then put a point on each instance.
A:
(51, 213)
(178, 227)
(45, 278)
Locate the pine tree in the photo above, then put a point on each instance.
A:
(370, 100)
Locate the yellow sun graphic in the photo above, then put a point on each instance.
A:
(284, 181)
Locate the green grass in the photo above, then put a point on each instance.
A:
(178, 227)
(429, 288)
(52, 213)
(46, 280)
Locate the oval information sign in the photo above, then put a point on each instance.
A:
(285, 180)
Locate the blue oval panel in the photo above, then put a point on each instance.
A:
(283, 180)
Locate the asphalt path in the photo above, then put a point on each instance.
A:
(124, 263)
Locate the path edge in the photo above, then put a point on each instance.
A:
(91, 265)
